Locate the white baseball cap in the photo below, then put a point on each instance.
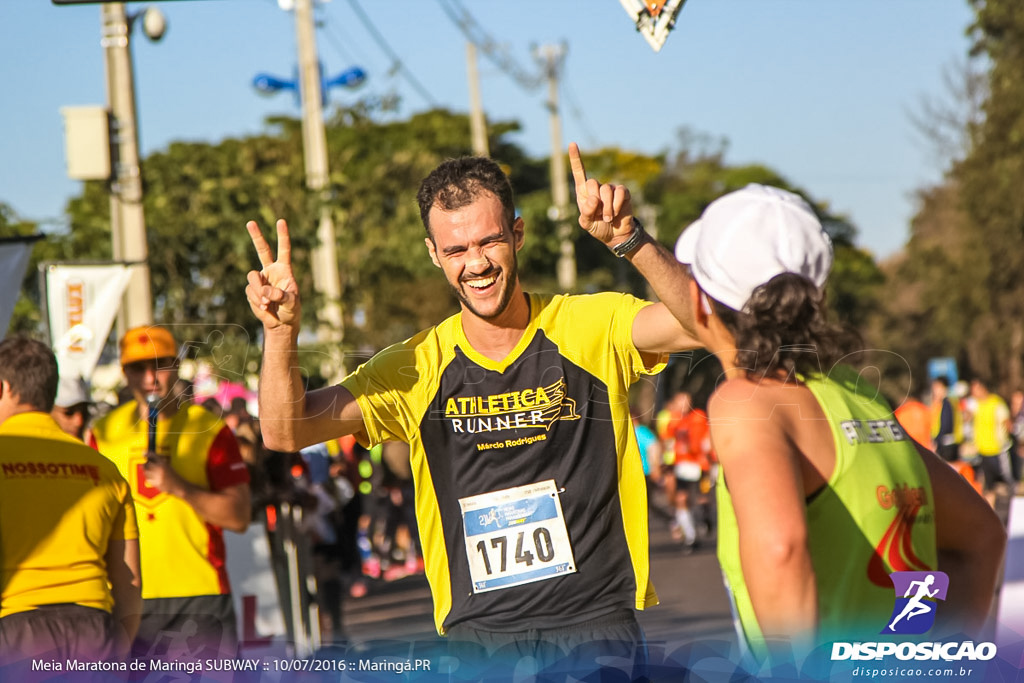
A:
(745, 238)
(71, 391)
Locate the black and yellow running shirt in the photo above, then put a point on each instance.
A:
(530, 495)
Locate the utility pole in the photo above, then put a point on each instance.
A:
(551, 58)
(127, 222)
(477, 122)
(326, 280)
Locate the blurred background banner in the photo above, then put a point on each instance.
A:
(81, 302)
(14, 254)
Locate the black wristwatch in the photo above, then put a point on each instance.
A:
(634, 240)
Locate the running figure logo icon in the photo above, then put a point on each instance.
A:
(916, 595)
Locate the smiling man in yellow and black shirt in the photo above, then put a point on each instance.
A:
(530, 496)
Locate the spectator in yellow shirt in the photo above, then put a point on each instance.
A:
(70, 584)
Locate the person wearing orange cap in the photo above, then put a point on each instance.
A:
(188, 487)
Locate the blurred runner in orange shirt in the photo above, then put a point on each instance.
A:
(691, 441)
(916, 419)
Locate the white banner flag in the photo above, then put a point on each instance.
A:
(13, 261)
(82, 301)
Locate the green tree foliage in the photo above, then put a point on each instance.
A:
(11, 225)
(198, 197)
(696, 174)
(88, 234)
(991, 178)
(933, 299)
(957, 289)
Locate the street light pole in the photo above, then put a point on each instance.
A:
(477, 121)
(326, 278)
(551, 58)
(127, 221)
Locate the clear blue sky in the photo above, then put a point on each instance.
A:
(820, 90)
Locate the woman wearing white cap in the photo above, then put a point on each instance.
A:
(823, 495)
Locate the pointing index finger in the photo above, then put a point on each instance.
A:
(579, 173)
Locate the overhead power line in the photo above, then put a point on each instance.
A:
(491, 49)
(397, 64)
(498, 55)
(338, 43)
(577, 114)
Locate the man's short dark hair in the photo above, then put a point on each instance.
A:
(30, 369)
(456, 183)
(943, 380)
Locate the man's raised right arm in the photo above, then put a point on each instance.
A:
(290, 418)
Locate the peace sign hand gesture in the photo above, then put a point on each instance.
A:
(606, 211)
(272, 292)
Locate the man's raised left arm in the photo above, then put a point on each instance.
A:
(606, 212)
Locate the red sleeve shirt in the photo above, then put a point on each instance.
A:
(224, 464)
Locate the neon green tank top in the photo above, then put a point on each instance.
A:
(875, 516)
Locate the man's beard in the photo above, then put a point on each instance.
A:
(509, 280)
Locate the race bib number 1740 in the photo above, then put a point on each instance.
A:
(516, 536)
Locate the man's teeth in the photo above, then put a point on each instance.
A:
(482, 282)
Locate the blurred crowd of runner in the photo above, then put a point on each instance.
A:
(975, 430)
(978, 432)
(358, 519)
(681, 469)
